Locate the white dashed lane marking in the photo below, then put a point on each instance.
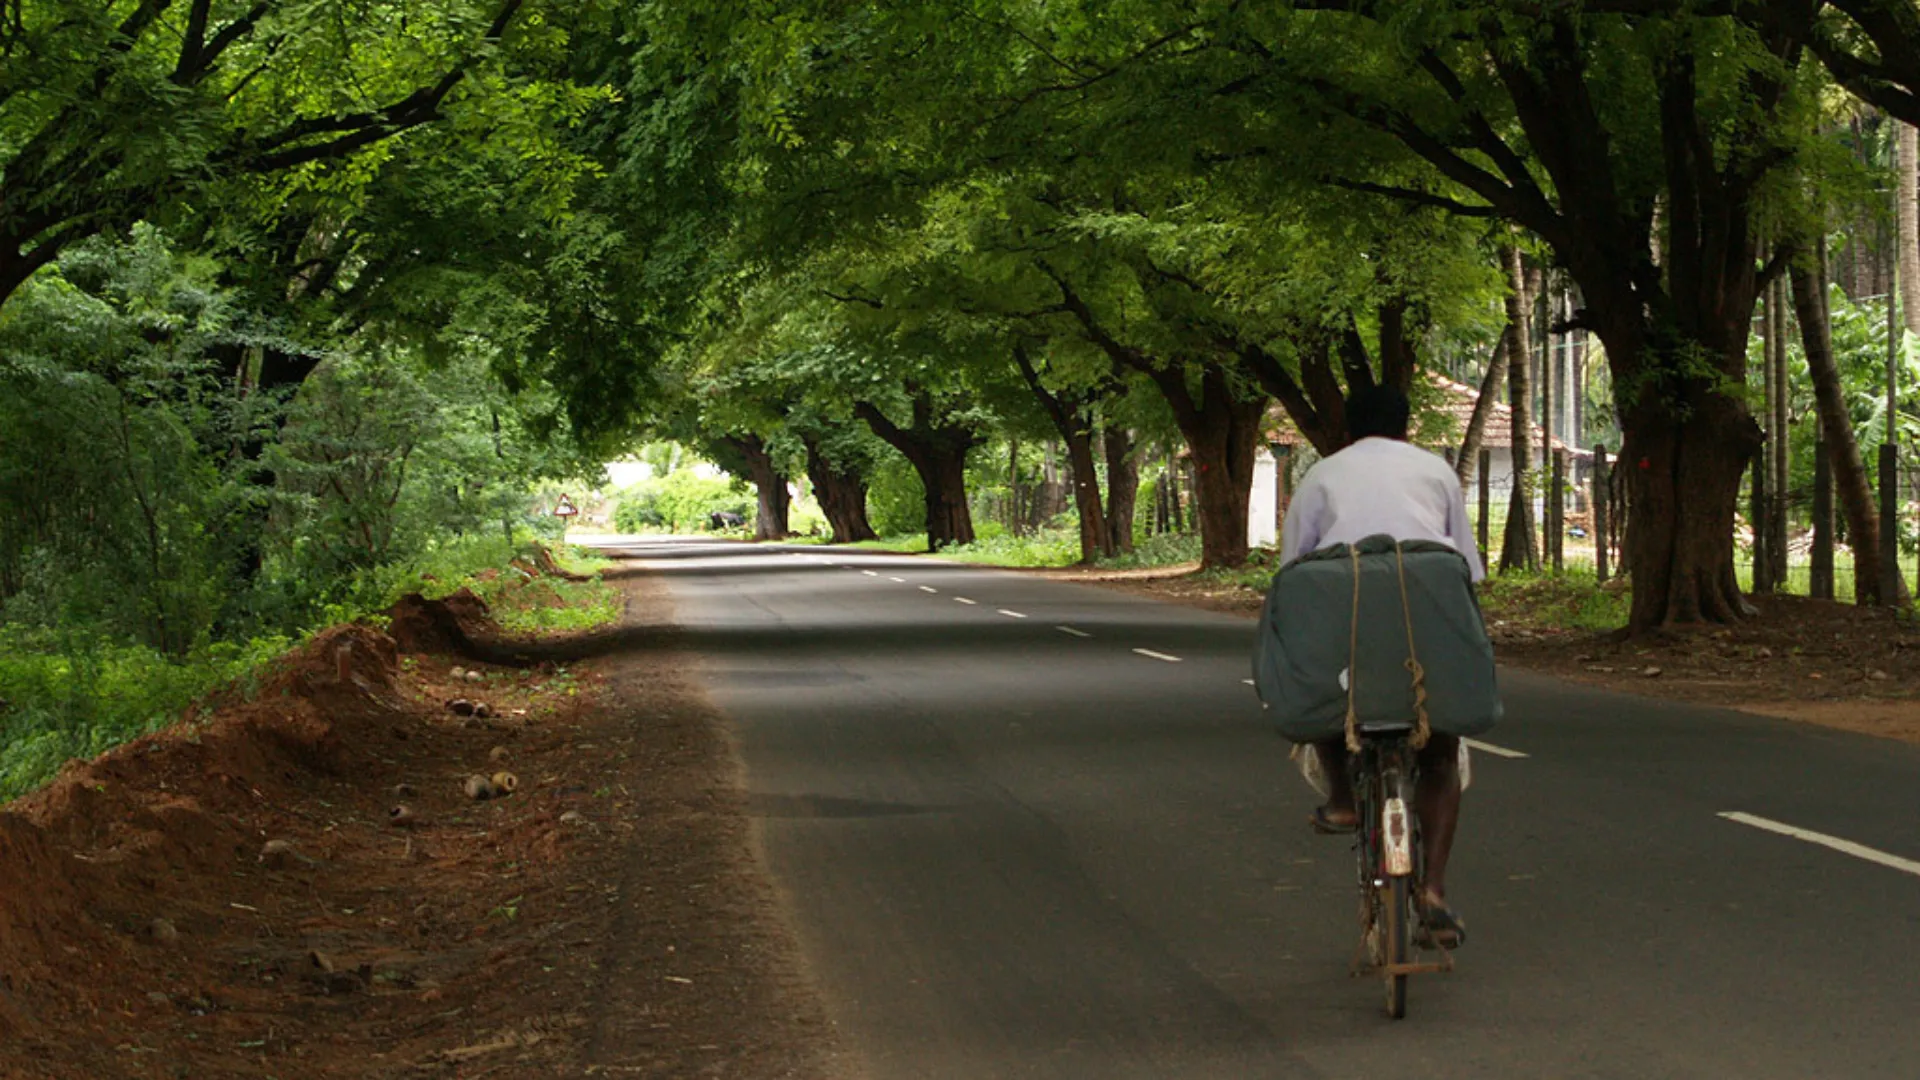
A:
(1011, 614)
(1497, 751)
(1158, 655)
(901, 580)
(964, 600)
(1075, 633)
(1847, 847)
(869, 573)
(928, 588)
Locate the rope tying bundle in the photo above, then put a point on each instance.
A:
(1422, 732)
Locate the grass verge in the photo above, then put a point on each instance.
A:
(1568, 601)
(67, 695)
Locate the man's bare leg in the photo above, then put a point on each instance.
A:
(1339, 809)
(1437, 800)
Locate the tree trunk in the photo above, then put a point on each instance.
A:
(1686, 450)
(938, 453)
(1123, 489)
(1549, 420)
(770, 520)
(1072, 417)
(943, 473)
(1779, 420)
(1094, 541)
(1836, 424)
(1685, 481)
(1907, 219)
(1468, 456)
(1517, 551)
(1222, 433)
(842, 494)
(1170, 483)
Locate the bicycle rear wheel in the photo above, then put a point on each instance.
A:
(1396, 941)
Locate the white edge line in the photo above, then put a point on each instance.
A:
(1158, 655)
(1847, 847)
(1496, 751)
(1011, 614)
(928, 588)
(964, 600)
(1071, 630)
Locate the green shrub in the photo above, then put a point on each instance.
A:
(680, 501)
(1164, 549)
(1050, 547)
(79, 697)
(67, 694)
(896, 501)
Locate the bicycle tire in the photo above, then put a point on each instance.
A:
(1397, 942)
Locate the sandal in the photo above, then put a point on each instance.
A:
(1441, 927)
(1324, 823)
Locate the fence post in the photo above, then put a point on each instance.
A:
(1484, 475)
(1557, 512)
(1757, 516)
(1889, 568)
(1821, 578)
(1601, 506)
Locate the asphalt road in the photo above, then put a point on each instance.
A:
(1016, 845)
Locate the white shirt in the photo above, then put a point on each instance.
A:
(1380, 486)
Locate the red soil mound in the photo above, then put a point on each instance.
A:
(451, 625)
(88, 862)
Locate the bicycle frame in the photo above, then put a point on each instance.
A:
(1391, 866)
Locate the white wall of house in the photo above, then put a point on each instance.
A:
(1263, 501)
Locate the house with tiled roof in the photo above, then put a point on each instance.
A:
(1438, 425)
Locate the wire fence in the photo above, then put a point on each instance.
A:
(1792, 570)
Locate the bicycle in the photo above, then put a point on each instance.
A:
(1391, 867)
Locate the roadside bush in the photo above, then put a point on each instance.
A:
(1049, 547)
(896, 501)
(678, 502)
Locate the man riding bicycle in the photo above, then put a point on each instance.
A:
(1382, 486)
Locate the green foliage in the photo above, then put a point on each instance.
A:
(1051, 547)
(1164, 549)
(70, 695)
(1566, 601)
(896, 500)
(678, 502)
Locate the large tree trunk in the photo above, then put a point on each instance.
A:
(938, 453)
(1072, 416)
(1094, 541)
(1688, 441)
(1123, 489)
(1684, 481)
(1517, 550)
(842, 494)
(1836, 424)
(943, 473)
(750, 453)
(1222, 433)
(1906, 160)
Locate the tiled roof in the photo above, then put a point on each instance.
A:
(1442, 422)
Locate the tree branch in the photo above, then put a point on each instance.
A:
(1418, 198)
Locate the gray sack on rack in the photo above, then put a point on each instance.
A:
(1302, 667)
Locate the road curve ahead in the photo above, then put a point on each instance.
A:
(1030, 829)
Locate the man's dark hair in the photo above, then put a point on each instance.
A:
(1377, 411)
